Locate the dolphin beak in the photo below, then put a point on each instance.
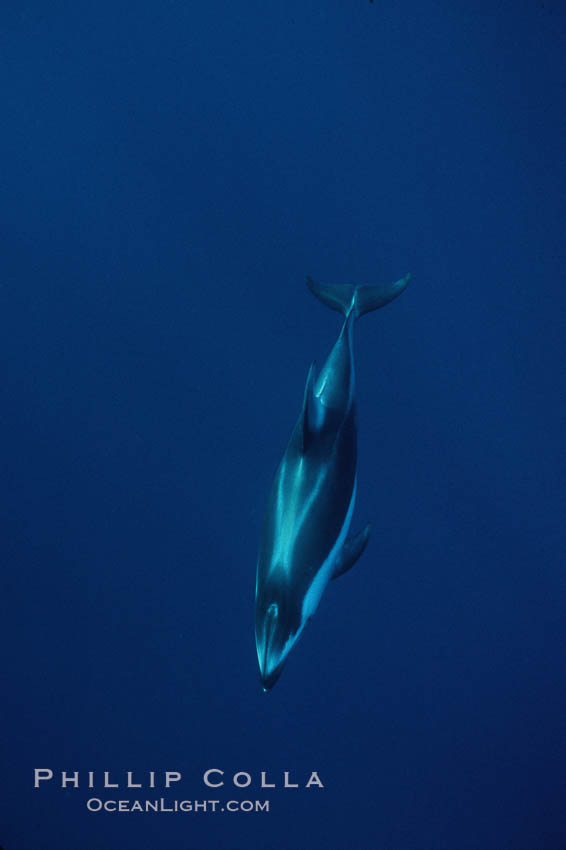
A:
(266, 650)
(269, 679)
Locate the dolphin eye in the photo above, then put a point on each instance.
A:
(273, 609)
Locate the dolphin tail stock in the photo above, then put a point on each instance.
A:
(346, 297)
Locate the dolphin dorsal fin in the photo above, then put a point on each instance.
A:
(313, 411)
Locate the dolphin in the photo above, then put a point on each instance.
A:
(305, 543)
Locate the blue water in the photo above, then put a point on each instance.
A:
(170, 173)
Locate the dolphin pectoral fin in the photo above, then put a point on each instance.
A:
(313, 411)
(351, 551)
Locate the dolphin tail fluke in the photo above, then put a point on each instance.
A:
(361, 299)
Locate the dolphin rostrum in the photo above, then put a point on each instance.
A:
(304, 542)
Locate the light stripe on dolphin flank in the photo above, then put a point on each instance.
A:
(291, 520)
(323, 576)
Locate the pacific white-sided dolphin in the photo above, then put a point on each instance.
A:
(304, 542)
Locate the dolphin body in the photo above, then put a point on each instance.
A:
(304, 542)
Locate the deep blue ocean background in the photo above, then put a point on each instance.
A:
(170, 172)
